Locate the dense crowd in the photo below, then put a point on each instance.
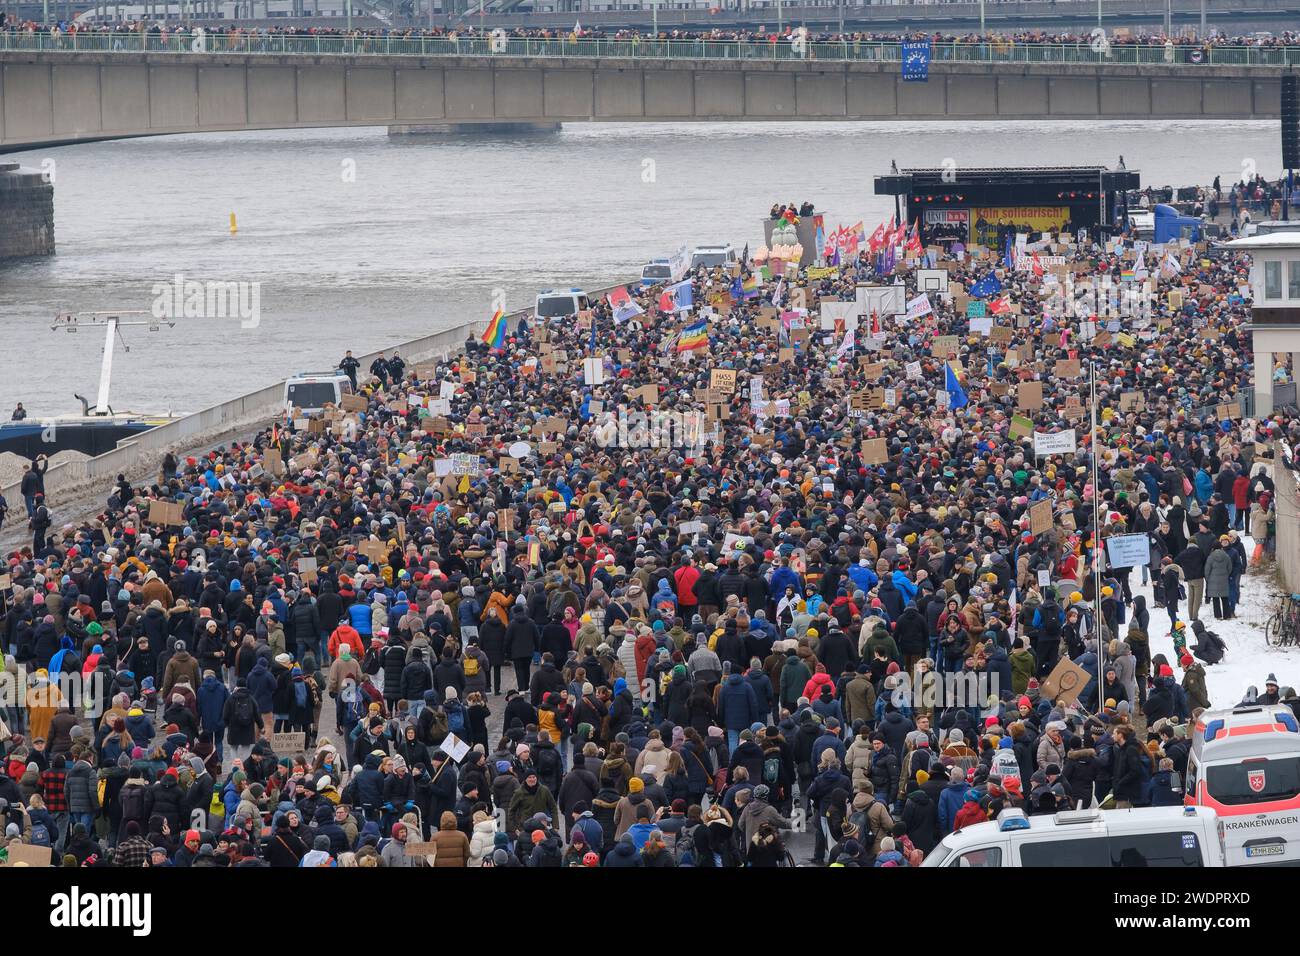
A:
(469, 30)
(516, 631)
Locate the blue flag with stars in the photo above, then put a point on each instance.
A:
(916, 61)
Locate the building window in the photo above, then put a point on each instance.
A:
(1272, 280)
(1293, 279)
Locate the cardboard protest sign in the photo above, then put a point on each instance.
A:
(1021, 427)
(723, 380)
(307, 570)
(1065, 683)
(353, 403)
(272, 462)
(1001, 335)
(646, 394)
(286, 744)
(29, 854)
(1067, 368)
(166, 512)
(1029, 396)
(875, 451)
(1040, 516)
(1131, 401)
(944, 345)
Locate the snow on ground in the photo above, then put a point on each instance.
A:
(1249, 659)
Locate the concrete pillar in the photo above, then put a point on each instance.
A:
(26, 213)
(1295, 366)
(1263, 384)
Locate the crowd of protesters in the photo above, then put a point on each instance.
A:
(511, 632)
(1001, 40)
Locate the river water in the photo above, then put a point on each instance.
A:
(360, 241)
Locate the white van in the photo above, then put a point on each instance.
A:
(560, 303)
(1245, 765)
(1145, 836)
(311, 391)
(710, 256)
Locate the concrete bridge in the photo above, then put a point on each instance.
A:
(51, 98)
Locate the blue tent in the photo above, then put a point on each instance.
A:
(1170, 224)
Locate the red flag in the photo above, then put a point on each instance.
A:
(878, 239)
(1000, 305)
(914, 240)
(1037, 265)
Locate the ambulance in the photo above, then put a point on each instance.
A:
(1245, 765)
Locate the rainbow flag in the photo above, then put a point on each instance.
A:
(1126, 275)
(694, 336)
(749, 286)
(495, 336)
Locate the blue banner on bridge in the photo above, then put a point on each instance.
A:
(916, 60)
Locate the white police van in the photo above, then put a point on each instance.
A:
(1142, 837)
(312, 391)
(560, 303)
(710, 256)
(1245, 765)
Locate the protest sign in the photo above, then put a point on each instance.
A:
(1128, 550)
(287, 744)
(1040, 516)
(1054, 443)
(875, 451)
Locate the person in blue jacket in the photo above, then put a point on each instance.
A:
(951, 799)
(738, 707)
(359, 617)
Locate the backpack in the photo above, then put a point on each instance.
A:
(469, 664)
(455, 719)
(684, 848)
(245, 710)
(131, 800)
(771, 770)
(40, 835)
(300, 696)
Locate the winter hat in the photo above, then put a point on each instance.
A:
(635, 785)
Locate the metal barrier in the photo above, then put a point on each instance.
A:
(264, 403)
(636, 48)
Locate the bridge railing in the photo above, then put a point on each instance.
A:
(991, 51)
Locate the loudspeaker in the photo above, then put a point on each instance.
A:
(894, 185)
(1290, 121)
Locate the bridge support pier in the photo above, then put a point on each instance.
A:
(461, 129)
(26, 212)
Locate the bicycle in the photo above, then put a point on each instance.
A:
(1283, 628)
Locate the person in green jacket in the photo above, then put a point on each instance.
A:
(794, 675)
(531, 798)
(1024, 665)
(880, 638)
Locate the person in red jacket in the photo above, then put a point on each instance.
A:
(813, 689)
(970, 812)
(1240, 502)
(684, 579)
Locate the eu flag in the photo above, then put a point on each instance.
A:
(952, 385)
(986, 287)
(916, 60)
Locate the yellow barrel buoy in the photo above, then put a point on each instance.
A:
(233, 227)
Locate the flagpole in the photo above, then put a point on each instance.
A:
(1096, 536)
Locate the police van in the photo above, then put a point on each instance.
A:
(1146, 836)
(1245, 765)
(560, 303)
(310, 392)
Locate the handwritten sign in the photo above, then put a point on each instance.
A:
(723, 380)
(284, 744)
